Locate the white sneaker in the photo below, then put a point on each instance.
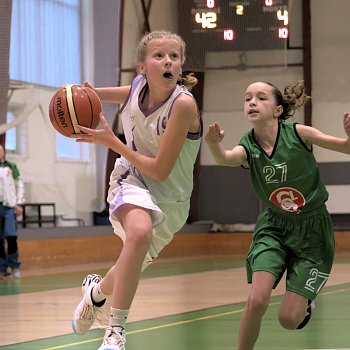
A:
(16, 273)
(85, 313)
(113, 340)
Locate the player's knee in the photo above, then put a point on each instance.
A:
(140, 235)
(290, 319)
(257, 305)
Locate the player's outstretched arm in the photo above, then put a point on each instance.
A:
(314, 136)
(234, 157)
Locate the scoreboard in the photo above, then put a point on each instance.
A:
(229, 25)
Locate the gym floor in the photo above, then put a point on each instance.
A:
(181, 303)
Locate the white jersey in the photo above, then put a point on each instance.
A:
(169, 200)
(11, 185)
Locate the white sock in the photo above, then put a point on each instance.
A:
(118, 318)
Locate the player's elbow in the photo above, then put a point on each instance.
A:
(161, 173)
(161, 176)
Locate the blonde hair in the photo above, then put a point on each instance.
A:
(189, 80)
(292, 99)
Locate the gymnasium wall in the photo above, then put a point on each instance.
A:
(225, 194)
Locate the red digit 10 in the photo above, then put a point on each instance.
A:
(229, 34)
(283, 33)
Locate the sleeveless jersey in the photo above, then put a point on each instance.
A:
(287, 181)
(143, 131)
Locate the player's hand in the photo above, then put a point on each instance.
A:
(214, 134)
(19, 210)
(103, 136)
(86, 83)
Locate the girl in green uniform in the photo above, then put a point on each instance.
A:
(294, 234)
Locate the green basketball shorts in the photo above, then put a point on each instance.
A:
(302, 245)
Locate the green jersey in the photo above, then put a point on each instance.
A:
(288, 180)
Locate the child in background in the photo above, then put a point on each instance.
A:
(11, 198)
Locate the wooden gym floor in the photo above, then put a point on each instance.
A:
(183, 303)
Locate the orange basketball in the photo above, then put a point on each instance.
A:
(73, 105)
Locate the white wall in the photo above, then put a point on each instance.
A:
(330, 69)
(331, 79)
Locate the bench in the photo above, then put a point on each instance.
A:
(33, 214)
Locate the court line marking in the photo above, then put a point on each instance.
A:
(173, 324)
(167, 325)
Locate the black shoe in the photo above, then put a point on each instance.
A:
(310, 308)
(4, 275)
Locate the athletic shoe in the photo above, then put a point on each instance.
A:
(113, 340)
(85, 313)
(16, 273)
(310, 308)
(4, 275)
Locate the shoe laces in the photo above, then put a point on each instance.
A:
(113, 337)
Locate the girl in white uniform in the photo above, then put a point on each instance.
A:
(152, 181)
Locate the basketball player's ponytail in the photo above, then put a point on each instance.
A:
(189, 81)
(294, 97)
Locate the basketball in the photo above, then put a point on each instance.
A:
(73, 105)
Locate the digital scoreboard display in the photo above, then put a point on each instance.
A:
(227, 25)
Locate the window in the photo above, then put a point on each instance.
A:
(11, 135)
(67, 148)
(46, 42)
(47, 50)
(15, 136)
